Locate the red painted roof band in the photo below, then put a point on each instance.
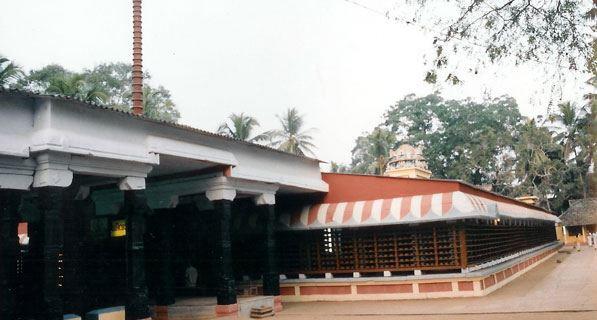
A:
(359, 187)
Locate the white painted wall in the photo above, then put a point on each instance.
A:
(110, 143)
(16, 124)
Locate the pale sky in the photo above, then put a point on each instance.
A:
(339, 64)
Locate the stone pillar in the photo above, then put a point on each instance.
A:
(33, 270)
(226, 293)
(137, 302)
(271, 278)
(74, 286)
(165, 283)
(51, 201)
(9, 247)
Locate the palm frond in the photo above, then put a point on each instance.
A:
(9, 72)
(292, 137)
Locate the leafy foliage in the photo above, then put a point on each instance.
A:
(489, 142)
(555, 33)
(469, 35)
(158, 104)
(108, 83)
(462, 140)
(74, 85)
(370, 154)
(115, 80)
(539, 163)
(578, 146)
(39, 80)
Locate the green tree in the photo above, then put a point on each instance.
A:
(461, 139)
(10, 73)
(489, 142)
(108, 83)
(158, 104)
(39, 80)
(362, 160)
(241, 127)
(293, 137)
(371, 153)
(573, 126)
(554, 33)
(577, 145)
(336, 167)
(592, 137)
(115, 79)
(381, 141)
(539, 164)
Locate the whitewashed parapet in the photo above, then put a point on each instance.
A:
(16, 173)
(114, 144)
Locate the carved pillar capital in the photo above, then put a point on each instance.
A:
(265, 199)
(131, 183)
(16, 173)
(220, 189)
(52, 170)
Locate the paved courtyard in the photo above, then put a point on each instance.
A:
(566, 290)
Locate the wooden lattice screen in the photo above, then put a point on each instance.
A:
(370, 250)
(490, 241)
(440, 247)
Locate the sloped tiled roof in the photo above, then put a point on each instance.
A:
(581, 212)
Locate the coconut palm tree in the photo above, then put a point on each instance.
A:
(572, 124)
(9, 72)
(380, 142)
(241, 127)
(292, 138)
(575, 137)
(76, 86)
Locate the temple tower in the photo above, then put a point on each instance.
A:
(407, 162)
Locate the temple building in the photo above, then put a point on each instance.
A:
(118, 206)
(173, 222)
(385, 238)
(407, 162)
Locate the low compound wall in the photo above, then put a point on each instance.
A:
(470, 284)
